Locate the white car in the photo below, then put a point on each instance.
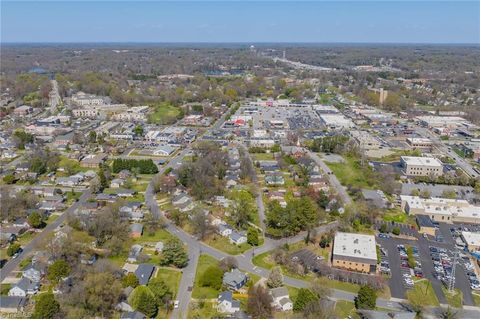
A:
(175, 304)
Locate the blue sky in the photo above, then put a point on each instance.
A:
(247, 21)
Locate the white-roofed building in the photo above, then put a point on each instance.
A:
(421, 166)
(355, 252)
(472, 240)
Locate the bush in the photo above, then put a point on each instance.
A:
(46, 307)
(59, 269)
(12, 249)
(304, 297)
(130, 280)
(9, 179)
(396, 231)
(212, 277)
(383, 228)
(252, 237)
(143, 300)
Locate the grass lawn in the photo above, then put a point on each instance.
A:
(422, 290)
(350, 173)
(394, 215)
(160, 235)
(395, 157)
(204, 261)
(223, 244)
(476, 299)
(202, 310)
(171, 277)
(455, 298)
(71, 197)
(345, 309)
(4, 288)
(264, 260)
(26, 237)
(262, 156)
(164, 113)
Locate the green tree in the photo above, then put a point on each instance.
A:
(9, 179)
(59, 269)
(304, 297)
(174, 253)
(396, 231)
(46, 307)
(242, 208)
(212, 277)
(92, 137)
(276, 148)
(383, 228)
(130, 280)
(138, 130)
(252, 236)
(366, 298)
(13, 249)
(103, 179)
(101, 293)
(143, 300)
(36, 220)
(160, 290)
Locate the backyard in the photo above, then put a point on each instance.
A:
(164, 113)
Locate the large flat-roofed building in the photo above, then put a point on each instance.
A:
(419, 142)
(472, 240)
(336, 121)
(355, 252)
(442, 209)
(365, 140)
(448, 122)
(421, 166)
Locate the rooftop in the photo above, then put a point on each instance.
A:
(421, 161)
(355, 245)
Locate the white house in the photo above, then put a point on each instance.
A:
(226, 303)
(224, 230)
(23, 288)
(237, 238)
(281, 299)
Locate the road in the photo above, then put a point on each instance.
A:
(54, 97)
(332, 178)
(12, 264)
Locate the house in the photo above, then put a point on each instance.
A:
(274, 179)
(124, 174)
(180, 199)
(144, 272)
(237, 238)
(117, 183)
(12, 304)
(132, 315)
(7, 237)
(122, 192)
(32, 273)
(23, 110)
(23, 288)
(234, 279)
(226, 303)
(281, 299)
(136, 230)
(21, 222)
(164, 150)
(93, 160)
(224, 230)
(134, 253)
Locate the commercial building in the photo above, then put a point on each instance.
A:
(425, 225)
(336, 121)
(446, 122)
(84, 99)
(421, 166)
(365, 140)
(417, 142)
(442, 209)
(136, 113)
(355, 252)
(472, 240)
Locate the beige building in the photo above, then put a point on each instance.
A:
(442, 209)
(472, 240)
(355, 252)
(417, 142)
(365, 140)
(421, 166)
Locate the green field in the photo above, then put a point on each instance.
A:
(164, 113)
(204, 261)
(345, 309)
(223, 244)
(351, 173)
(263, 260)
(171, 277)
(454, 299)
(422, 290)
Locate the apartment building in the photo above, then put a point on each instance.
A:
(356, 252)
(421, 166)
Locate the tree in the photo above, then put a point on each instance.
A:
(383, 228)
(130, 280)
(59, 269)
(138, 130)
(160, 290)
(100, 293)
(20, 138)
(9, 179)
(174, 253)
(13, 249)
(227, 263)
(396, 231)
(304, 297)
(212, 277)
(366, 298)
(103, 178)
(92, 137)
(449, 194)
(252, 236)
(259, 304)
(275, 279)
(425, 193)
(143, 300)
(36, 220)
(448, 314)
(46, 307)
(242, 208)
(200, 223)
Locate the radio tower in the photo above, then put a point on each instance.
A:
(451, 282)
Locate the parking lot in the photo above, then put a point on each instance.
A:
(433, 258)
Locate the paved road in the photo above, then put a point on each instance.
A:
(12, 264)
(332, 178)
(54, 99)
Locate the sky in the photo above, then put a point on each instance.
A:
(246, 21)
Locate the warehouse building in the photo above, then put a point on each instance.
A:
(421, 166)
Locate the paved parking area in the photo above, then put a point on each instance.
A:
(397, 284)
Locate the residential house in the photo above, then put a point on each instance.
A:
(274, 179)
(123, 192)
(117, 183)
(12, 304)
(281, 299)
(24, 287)
(164, 150)
(226, 303)
(93, 160)
(237, 238)
(136, 230)
(135, 251)
(31, 272)
(234, 279)
(144, 272)
(224, 230)
(133, 315)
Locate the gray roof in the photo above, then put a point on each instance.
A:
(144, 272)
(12, 302)
(226, 295)
(137, 228)
(132, 315)
(234, 277)
(279, 292)
(425, 221)
(26, 284)
(235, 236)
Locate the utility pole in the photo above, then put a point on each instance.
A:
(451, 283)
